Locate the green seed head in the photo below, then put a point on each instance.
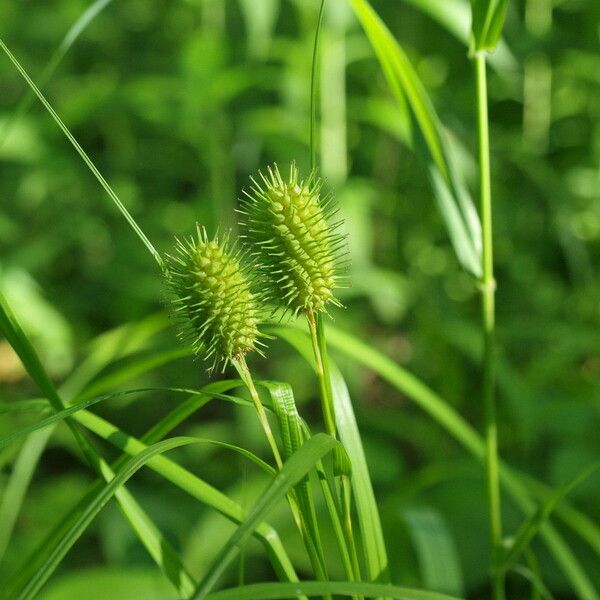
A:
(213, 300)
(296, 248)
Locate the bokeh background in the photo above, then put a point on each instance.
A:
(177, 103)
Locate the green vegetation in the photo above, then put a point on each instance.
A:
(410, 440)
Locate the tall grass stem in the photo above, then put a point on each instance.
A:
(488, 286)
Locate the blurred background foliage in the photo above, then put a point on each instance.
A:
(176, 104)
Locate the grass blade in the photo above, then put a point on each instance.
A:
(453, 200)
(160, 550)
(532, 524)
(366, 505)
(293, 471)
(292, 434)
(467, 436)
(86, 159)
(87, 514)
(16, 488)
(279, 591)
(194, 486)
(75, 408)
(282, 392)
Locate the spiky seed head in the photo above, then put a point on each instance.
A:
(218, 312)
(295, 246)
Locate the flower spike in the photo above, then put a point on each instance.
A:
(297, 251)
(218, 311)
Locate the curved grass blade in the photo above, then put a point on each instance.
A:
(194, 486)
(462, 221)
(532, 524)
(160, 550)
(280, 591)
(295, 468)
(16, 488)
(366, 505)
(270, 539)
(88, 15)
(74, 408)
(465, 434)
(75, 529)
(86, 159)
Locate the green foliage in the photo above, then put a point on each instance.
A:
(170, 106)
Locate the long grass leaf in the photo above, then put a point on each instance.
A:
(194, 486)
(160, 550)
(74, 408)
(532, 524)
(86, 159)
(452, 198)
(295, 468)
(280, 591)
(366, 505)
(76, 528)
(466, 435)
(15, 490)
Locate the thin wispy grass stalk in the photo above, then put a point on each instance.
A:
(84, 156)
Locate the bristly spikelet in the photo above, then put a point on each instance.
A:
(296, 249)
(218, 311)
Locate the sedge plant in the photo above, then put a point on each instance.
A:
(218, 314)
(297, 254)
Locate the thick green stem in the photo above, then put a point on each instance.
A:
(244, 372)
(488, 287)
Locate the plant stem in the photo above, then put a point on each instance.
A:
(319, 343)
(313, 89)
(317, 336)
(488, 286)
(244, 373)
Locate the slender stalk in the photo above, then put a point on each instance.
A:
(246, 377)
(317, 336)
(86, 159)
(313, 89)
(488, 286)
